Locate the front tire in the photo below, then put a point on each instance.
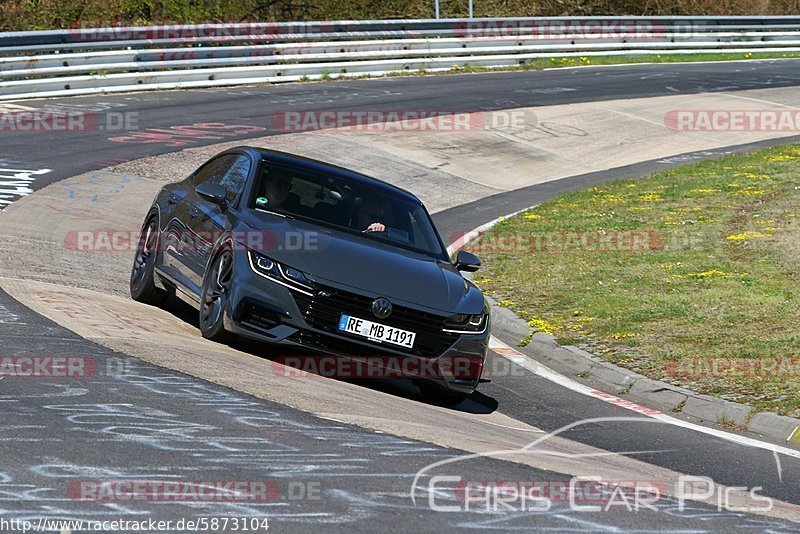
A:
(215, 296)
(142, 285)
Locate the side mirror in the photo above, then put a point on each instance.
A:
(213, 192)
(467, 261)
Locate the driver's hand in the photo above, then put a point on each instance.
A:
(376, 227)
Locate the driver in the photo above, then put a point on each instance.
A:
(277, 190)
(369, 217)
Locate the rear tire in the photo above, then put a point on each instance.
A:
(214, 297)
(142, 284)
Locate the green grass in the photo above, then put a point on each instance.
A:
(560, 62)
(657, 58)
(714, 275)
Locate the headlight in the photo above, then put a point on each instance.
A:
(266, 266)
(278, 273)
(467, 324)
(294, 274)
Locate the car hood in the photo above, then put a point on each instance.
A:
(368, 266)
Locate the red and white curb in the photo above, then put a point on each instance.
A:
(545, 372)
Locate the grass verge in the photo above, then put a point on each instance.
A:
(688, 275)
(574, 61)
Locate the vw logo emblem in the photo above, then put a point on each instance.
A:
(381, 308)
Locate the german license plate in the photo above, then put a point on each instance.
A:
(376, 331)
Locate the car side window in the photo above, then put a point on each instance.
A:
(234, 180)
(214, 170)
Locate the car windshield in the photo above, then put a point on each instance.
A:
(346, 204)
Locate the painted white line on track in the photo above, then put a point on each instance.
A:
(753, 99)
(476, 233)
(545, 372)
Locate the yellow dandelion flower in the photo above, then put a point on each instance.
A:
(542, 325)
(705, 274)
(622, 335)
(744, 236)
(650, 197)
(749, 192)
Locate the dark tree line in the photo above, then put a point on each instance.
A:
(46, 14)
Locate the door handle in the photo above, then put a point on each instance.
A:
(195, 213)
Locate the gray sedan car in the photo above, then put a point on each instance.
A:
(295, 252)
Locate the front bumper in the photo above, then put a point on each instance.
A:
(265, 311)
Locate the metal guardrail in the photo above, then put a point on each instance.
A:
(117, 59)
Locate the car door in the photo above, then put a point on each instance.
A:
(182, 244)
(209, 221)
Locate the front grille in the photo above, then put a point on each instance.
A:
(323, 312)
(337, 345)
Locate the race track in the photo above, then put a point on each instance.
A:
(166, 403)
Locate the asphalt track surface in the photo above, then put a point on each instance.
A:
(70, 431)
